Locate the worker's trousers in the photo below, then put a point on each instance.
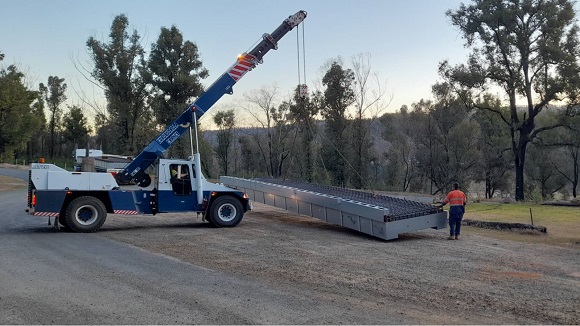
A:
(455, 216)
(455, 224)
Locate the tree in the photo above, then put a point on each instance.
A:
(252, 164)
(447, 146)
(119, 66)
(338, 96)
(400, 130)
(564, 144)
(19, 116)
(273, 135)
(54, 95)
(303, 111)
(571, 150)
(35, 146)
(76, 129)
(207, 155)
(543, 173)
(367, 104)
(526, 48)
(176, 73)
(496, 160)
(226, 122)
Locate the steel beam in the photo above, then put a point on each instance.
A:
(377, 215)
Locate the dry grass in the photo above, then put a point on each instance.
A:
(563, 223)
(9, 183)
(14, 166)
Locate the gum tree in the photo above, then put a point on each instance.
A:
(525, 48)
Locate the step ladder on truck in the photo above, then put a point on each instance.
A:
(81, 200)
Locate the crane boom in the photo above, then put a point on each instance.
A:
(135, 170)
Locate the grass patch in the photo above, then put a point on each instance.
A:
(563, 223)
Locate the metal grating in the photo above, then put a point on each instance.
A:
(399, 209)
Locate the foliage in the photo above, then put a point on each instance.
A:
(542, 172)
(226, 122)
(496, 155)
(400, 129)
(76, 128)
(19, 120)
(302, 114)
(207, 155)
(54, 95)
(528, 49)
(338, 96)
(367, 106)
(273, 135)
(252, 163)
(564, 146)
(35, 147)
(176, 71)
(119, 66)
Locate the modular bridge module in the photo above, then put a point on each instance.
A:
(381, 216)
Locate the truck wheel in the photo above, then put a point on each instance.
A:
(226, 211)
(85, 214)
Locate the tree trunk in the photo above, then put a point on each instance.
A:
(520, 159)
(488, 192)
(576, 174)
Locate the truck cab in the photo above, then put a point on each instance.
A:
(176, 189)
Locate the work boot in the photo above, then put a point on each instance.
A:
(450, 237)
(457, 237)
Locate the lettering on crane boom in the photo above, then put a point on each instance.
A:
(168, 132)
(173, 137)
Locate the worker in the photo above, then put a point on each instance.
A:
(176, 175)
(457, 201)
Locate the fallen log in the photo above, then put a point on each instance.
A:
(504, 225)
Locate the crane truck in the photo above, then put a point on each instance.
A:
(81, 200)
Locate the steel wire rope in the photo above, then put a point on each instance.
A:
(298, 54)
(309, 124)
(304, 103)
(349, 164)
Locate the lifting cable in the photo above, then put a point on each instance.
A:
(305, 94)
(303, 56)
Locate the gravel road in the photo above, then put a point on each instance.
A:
(274, 268)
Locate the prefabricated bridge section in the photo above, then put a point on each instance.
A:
(381, 216)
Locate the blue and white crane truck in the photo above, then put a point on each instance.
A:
(81, 200)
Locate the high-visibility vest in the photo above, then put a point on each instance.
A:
(456, 198)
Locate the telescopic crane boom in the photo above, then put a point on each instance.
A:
(135, 170)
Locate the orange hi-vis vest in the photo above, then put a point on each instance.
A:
(456, 198)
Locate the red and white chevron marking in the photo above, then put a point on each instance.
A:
(124, 212)
(50, 214)
(240, 68)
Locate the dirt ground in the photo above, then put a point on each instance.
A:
(421, 276)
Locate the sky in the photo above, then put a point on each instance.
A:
(406, 40)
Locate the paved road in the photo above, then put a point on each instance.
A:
(15, 173)
(52, 277)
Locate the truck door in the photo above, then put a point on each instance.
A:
(177, 194)
(180, 179)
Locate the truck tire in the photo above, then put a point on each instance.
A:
(85, 214)
(226, 211)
